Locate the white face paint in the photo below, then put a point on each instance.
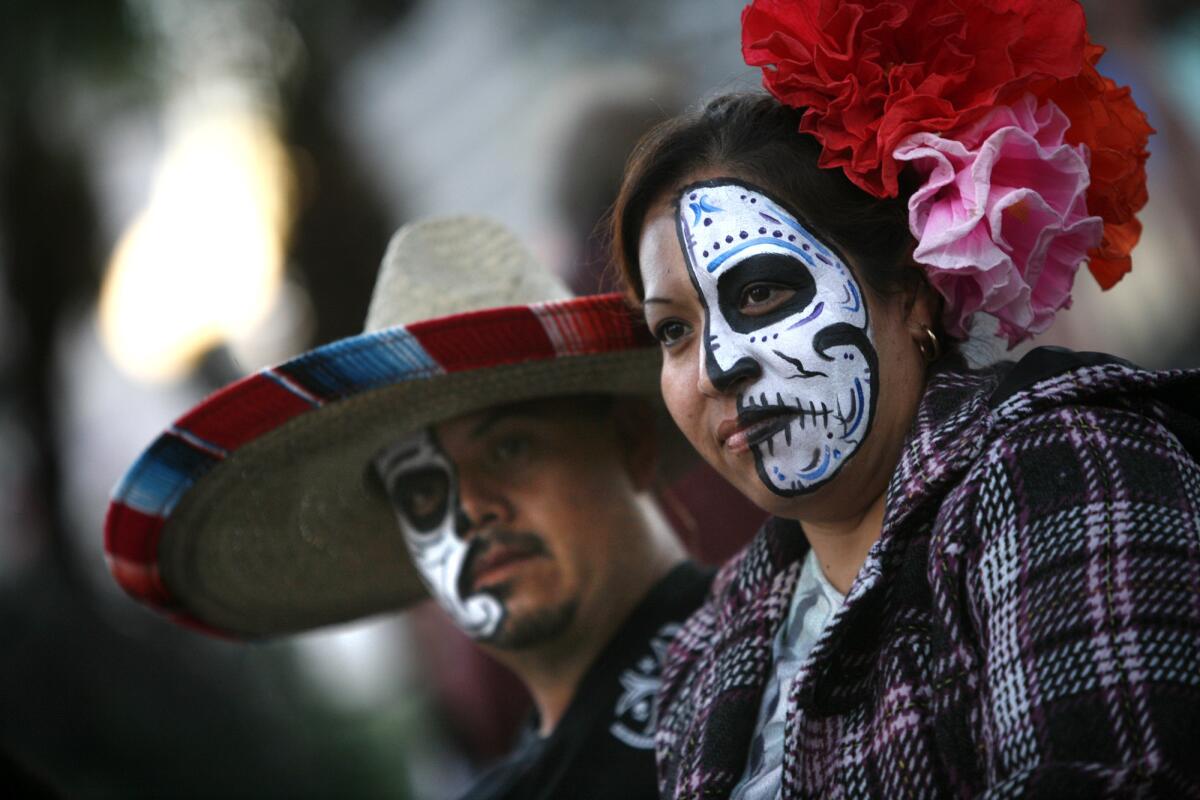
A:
(422, 485)
(805, 371)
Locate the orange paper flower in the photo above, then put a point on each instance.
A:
(1105, 118)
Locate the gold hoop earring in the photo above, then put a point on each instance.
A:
(930, 347)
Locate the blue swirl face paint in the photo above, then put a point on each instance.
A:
(422, 486)
(803, 365)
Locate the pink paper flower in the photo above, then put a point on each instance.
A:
(1001, 217)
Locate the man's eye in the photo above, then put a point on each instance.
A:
(424, 500)
(423, 497)
(510, 449)
(762, 298)
(670, 331)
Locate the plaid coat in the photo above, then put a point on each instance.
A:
(1028, 623)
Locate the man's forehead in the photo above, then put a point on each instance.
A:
(444, 441)
(418, 446)
(548, 410)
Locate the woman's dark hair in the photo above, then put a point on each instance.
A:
(756, 138)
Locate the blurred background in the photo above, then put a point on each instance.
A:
(192, 190)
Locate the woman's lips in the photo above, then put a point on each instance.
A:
(753, 426)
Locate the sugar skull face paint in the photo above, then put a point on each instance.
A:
(786, 328)
(423, 487)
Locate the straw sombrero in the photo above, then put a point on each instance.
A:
(255, 513)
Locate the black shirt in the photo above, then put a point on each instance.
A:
(603, 747)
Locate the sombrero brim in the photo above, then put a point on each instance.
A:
(255, 515)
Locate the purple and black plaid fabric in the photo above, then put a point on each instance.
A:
(1028, 624)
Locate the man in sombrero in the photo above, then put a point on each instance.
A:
(489, 442)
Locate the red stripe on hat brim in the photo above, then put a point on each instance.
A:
(242, 411)
(132, 535)
(188, 621)
(484, 339)
(596, 324)
(143, 581)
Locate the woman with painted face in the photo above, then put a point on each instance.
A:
(976, 581)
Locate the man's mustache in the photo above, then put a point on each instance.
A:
(519, 543)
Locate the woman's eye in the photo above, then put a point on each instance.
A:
(671, 331)
(761, 298)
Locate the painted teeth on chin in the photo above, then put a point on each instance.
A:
(842, 417)
(821, 415)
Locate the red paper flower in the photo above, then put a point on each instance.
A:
(873, 73)
(870, 74)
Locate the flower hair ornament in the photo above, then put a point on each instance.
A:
(1029, 161)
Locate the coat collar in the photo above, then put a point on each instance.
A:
(756, 600)
(949, 430)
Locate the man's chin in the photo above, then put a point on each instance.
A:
(533, 628)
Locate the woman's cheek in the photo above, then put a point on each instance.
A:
(669, 385)
(683, 399)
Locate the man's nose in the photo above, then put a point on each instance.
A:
(480, 506)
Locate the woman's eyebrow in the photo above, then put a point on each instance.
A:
(656, 300)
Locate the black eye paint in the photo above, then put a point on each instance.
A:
(422, 485)
(771, 268)
(422, 497)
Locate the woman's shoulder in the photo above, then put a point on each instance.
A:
(1052, 389)
(1063, 430)
(1048, 378)
(1053, 397)
(1075, 431)
(1080, 448)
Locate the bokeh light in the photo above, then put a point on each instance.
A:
(204, 261)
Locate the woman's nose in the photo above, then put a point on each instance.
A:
(716, 378)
